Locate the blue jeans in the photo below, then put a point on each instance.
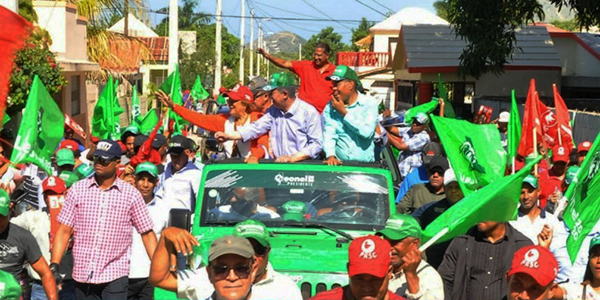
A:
(66, 293)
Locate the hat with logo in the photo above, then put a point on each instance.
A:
(294, 210)
(449, 176)
(84, 171)
(69, 177)
(147, 167)
(65, 157)
(369, 255)
(179, 143)
(159, 141)
(131, 130)
(68, 144)
(504, 117)
(560, 153)
(438, 162)
(9, 287)
(252, 229)
(108, 149)
(400, 226)
(239, 92)
(4, 203)
(281, 79)
(537, 262)
(594, 242)
(571, 173)
(55, 184)
(584, 146)
(431, 150)
(531, 180)
(422, 118)
(342, 73)
(230, 244)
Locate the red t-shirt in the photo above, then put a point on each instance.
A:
(341, 293)
(315, 89)
(549, 183)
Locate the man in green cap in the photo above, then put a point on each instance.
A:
(294, 210)
(18, 245)
(127, 139)
(412, 277)
(350, 120)
(262, 93)
(9, 287)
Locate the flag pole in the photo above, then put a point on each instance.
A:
(513, 165)
(434, 239)
(535, 151)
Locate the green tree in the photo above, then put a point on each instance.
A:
(570, 25)
(360, 32)
(488, 27)
(189, 18)
(441, 9)
(327, 35)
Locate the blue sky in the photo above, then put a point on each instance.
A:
(336, 9)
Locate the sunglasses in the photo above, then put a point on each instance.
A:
(222, 272)
(102, 161)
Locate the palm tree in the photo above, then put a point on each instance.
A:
(188, 18)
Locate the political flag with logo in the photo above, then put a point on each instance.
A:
(149, 121)
(198, 92)
(514, 128)
(475, 152)
(76, 127)
(564, 135)
(583, 208)
(426, 108)
(496, 202)
(172, 87)
(531, 120)
(38, 136)
(443, 93)
(105, 120)
(136, 110)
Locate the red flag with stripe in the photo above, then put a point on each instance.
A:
(531, 120)
(564, 133)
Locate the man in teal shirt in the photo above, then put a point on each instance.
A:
(349, 119)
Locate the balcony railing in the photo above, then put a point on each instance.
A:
(363, 59)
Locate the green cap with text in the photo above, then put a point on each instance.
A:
(147, 167)
(400, 226)
(280, 79)
(294, 210)
(344, 72)
(252, 229)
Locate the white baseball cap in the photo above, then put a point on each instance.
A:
(449, 176)
(504, 116)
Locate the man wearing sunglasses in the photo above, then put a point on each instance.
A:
(432, 191)
(101, 213)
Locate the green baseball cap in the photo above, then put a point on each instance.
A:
(594, 242)
(84, 171)
(148, 167)
(344, 72)
(69, 177)
(230, 245)
(65, 157)
(531, 180)
(280, 79)
(571, 173)
(252, 229)
(400, 226)
(9, 287)
(294, 210)
(132, 129)
(4, 203)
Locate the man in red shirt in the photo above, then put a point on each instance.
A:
(369, 269)
(314, 88)
(551, 183)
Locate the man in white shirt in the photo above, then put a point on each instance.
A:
(146, 178)
(412, 277)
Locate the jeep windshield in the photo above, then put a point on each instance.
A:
(341, 200)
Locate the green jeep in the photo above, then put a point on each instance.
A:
(312, 211)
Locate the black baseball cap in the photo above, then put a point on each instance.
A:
(438, 162)
(159, 141)
(179, 143)
(139, 141)
(108, 149)
(430, 151)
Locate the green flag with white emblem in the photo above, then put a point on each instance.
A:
(583, 209)
(426, 108)
(136, 111)
(198, 92)
(474, 151)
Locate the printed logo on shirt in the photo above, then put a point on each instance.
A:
(368, 250)
(307, 180)
(531, 259)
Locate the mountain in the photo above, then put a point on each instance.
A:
(552, 12)
(284, 41)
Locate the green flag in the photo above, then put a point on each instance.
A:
(172, 87)
(148, 122)
(583, 209)
(496, 202)
(198, 92)
(105, 119)
(448, 110)
(6, 119)
(474, 151)
(38, 136)
(423, 108)
(136, 111)
(221, 100)
(514, 129)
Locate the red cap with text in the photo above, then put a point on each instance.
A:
(560, 153)
(369, 255)
(240, 92)
(537, 262)
(584, 146)
(68, 144)
(55, 184)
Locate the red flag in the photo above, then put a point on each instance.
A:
(76, 127)
(531, 119)
(13, 32)
(564, 121)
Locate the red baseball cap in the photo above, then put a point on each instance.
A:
(560, 153)
(585, 146)
(369, 255)
(537, 262)
(240, 92)
(55, 184)
(68, 144)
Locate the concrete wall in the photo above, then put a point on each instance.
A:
(68, 31)
(575, 60)
(381, 41)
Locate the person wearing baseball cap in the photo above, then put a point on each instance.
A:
(432, 191)
(550, 184)
(412, 277)
(181, 179)
(420, 174)
(503, 128)
(582, 151)
(65, 160)
(411, 141)
(262, 93)
(532, 275)
(242, 113)
(587, 286)
(369, 272)
(127, 140)
(350, 119)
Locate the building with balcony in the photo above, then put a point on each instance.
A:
(373, 63)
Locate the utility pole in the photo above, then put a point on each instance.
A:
(251, 73)
(267, 62)
(260, 45)
(173, 34)
(299, 51)
(242, 38)
(126, 25)
(218, 48)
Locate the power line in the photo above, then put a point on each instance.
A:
(319, 11)
(369, 7)
(281, 9)
(386, 7)
(287, 24)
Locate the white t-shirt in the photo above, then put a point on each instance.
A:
(431, 286)
(140, 263)
(574, 291)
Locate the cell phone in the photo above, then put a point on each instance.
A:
(180, 218)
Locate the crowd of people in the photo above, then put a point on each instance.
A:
(99, 227)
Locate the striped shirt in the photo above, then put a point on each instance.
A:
(103, 222)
